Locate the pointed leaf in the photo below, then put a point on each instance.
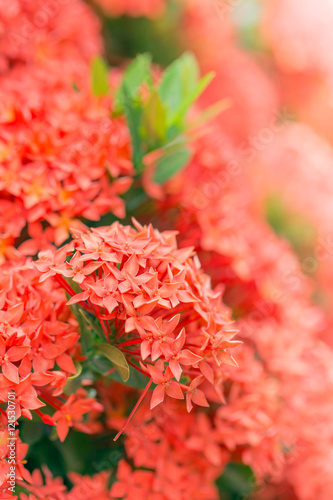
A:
(212, 112)
(154, 120)
(86, 339)
(179, 80)
(99, 77)
(136, 73)
(117, 358)
(192, 96)
(133, 112)
(171, 164)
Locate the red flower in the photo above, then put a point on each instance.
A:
(145, 291)
(71, 414)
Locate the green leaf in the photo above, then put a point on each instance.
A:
(154, 120)
(191, 71)
(137, 379)
(192, 96)
(101, 365)
(237, 481)
(88, 318)
(160, 122)
(117, 358)
(72, 386)
(136, 73)
(31, 430)
(74, 382)
(170, 164)
(211, 112)
(90, 330)
(180, 87)
(85, 334)
(99, 77)
(133, 112)
(180, 77)
(46, 451)
(170, 89)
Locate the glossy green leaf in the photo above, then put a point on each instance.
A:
(190, 70)
(136, 73)
(86, 339)
(117, 359)
(170, 89)
(99, 77)
(178, 79)
(133, 112)
(160, 122)
(192, 96)
(89, 326)
(154, 120)
(170, 164)
(180, 87)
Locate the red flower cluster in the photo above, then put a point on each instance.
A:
(7, 454)
(38, 344)
(264, 285)
(63, 158)
(180, 450)
(140, 301)
(147, 293)
(57, 170)
(38, 341)
(267, 420)
(47, 34)
(36, 335)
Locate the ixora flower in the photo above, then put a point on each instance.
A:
(155, 307)
(171, 454)
(12, 454)
(182, 452)
(38, 348)
(57, 171)
(48, 34)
